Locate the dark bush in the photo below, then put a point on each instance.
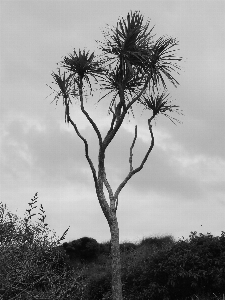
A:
(98, 286)
(126, 247)
(158, 242)
(83, 249)
(105, 248)
(194, 266)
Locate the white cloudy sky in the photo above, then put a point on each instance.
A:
(182, 185)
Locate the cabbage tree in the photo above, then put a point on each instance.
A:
(133, 69)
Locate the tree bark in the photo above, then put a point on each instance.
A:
(116, 263)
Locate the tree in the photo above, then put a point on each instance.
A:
(133, 68)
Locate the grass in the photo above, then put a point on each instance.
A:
(33, 265)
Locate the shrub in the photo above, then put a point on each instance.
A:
(99, 285)
(105, 248)
(127, 247)
(194, 266)
(85, 248)
(30, 263)
(158, 242)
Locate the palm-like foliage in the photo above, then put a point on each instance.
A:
(138, 59)
(160, 104)
(65, 90)
(127, 46)
(81, 65)
(130, 60)
(161, 61)
(63, 83)
(129, 42)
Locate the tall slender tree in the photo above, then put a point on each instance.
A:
(133, 68)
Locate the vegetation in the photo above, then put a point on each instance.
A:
(33, 265)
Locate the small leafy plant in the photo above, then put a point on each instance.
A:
(31, 263)
(188, 267)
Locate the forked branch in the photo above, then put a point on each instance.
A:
(138, 169)
(119, 120)
(85, 144)
(87, 115)
(131, 149)
(110, 192)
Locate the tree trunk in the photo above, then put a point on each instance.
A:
(116, 264)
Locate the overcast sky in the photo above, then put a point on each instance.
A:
(182, 185)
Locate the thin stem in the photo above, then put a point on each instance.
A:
(85, 144)
(138, 169)
(112, 132)
(110, 192)
(141, 92)
(131, 149)
(87, 115)
(119, 120)
(98, 182)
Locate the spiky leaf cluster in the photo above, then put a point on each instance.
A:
(130, 62)
(82, 64)
(160, 104)
(132, 57)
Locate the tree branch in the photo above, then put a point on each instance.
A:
(149, 150)
(110, 192)
(87, 115)
(98, 184)
(118, 116)
(112, 122)
(132, 172)
(85, 144)
(102, 201)
(131, 149)
(112, 131)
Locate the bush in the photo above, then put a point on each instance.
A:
(30, 263)
(194, 266)
(105, 248)
(158, 242)
(99, 285)
(127, 247)
(85, 248)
